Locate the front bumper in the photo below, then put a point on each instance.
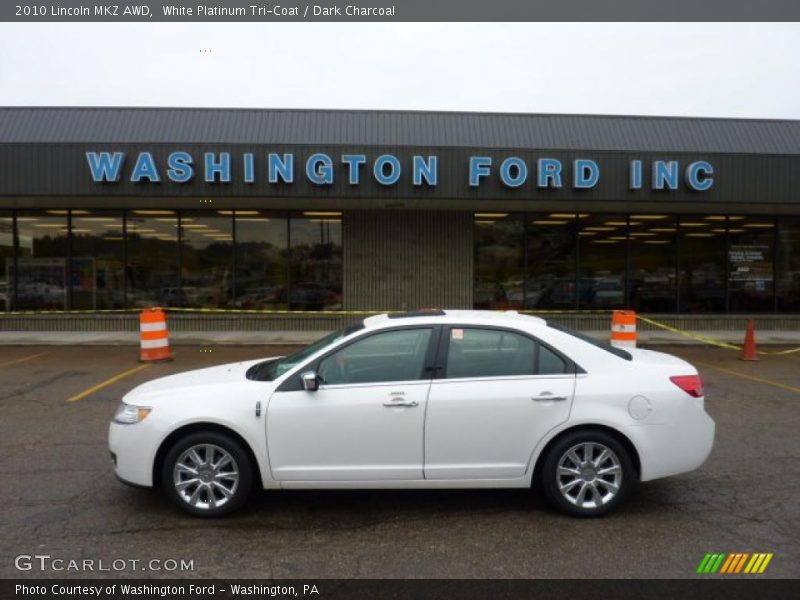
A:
(134, 447)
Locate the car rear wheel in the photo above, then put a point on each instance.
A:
(207, 474)
(587, 474)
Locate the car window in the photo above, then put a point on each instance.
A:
(489, 353)
(389, 356)
(550, 363)
(269, 369)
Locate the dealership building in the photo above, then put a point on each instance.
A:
(329, 210)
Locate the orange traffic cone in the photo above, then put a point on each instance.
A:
(154, 338)
(623, 328)
(749, 349)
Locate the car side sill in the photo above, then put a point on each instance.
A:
(395, 484)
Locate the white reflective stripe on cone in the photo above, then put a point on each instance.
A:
(147, 344)
(623, 343)
(153, 326)
(624, 328)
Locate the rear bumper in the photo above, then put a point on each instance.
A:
(678, 447)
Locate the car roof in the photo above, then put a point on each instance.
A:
(463, 317)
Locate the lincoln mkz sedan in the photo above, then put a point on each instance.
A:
(438, 399)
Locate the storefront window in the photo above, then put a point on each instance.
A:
(653, 262)
(499, 261)
(206, 259)
(262, 266)
(152, 271)
(702, 274)
(315, 273)
(550, 261)
(98, 260)
(602, 251)
(788, 264)
(7, 258)
(750, 269)
(42, 260)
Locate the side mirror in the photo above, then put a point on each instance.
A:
(310, 381)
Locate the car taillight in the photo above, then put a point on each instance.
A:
(691, 384)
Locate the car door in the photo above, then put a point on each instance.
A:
(499, 393)
(366, 420)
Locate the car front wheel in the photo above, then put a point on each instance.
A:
(587, 474)
(207, 474)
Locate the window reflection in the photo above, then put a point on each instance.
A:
(98, 258)
(702, 264)
(316, 261)
(550, 263)
(750, 277)
(42, 260)
(261, 260)
(7, 258)
(152, 271)
(603, 252)
(788, 264)
(206, 259)
(499, 277)
(653, 262)
(709, 263)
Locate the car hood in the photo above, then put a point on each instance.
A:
(197, 378)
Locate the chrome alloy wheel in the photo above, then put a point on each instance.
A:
(589, 475)
(205, 476)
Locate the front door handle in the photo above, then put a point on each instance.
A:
(547, 397)
(400, 402)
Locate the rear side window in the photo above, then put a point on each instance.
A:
(486, 352)
(550, 363)
(489, 353)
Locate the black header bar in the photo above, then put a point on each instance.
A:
(149, 11)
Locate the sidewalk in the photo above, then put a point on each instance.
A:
(284, 338)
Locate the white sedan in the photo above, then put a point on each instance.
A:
(455, 399)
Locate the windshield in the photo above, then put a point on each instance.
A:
(590, 340)
(269, 370)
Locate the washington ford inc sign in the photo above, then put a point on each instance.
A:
(181, 167)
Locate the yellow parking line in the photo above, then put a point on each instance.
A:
(778, 384)
(107, 382)
(21, 360)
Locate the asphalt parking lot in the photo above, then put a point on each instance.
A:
(60, 497)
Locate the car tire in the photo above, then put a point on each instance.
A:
(207, 474)
(587, 474)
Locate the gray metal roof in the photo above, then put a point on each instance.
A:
(397, 128)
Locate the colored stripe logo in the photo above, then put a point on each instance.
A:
(737, 562)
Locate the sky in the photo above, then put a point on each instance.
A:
(717, 70)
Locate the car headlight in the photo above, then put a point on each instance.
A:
(128, 414)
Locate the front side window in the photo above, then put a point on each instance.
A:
(269, 370)
(389, 356)
(489, 353)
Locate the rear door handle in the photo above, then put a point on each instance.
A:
(400, 402)
(547, 397)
